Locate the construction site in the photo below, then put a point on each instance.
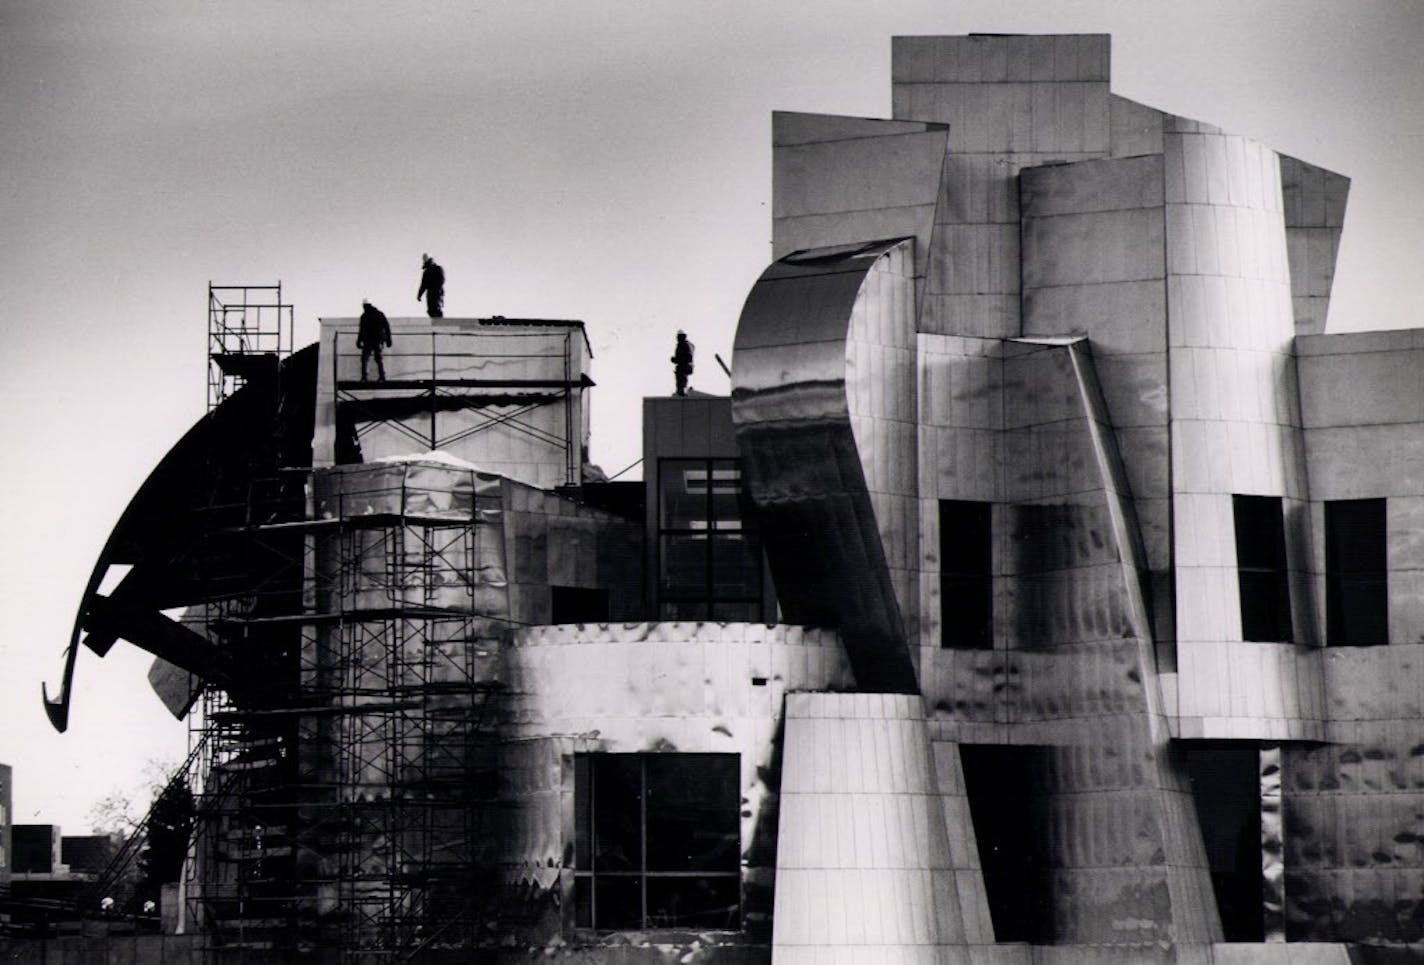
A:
(1044, 591)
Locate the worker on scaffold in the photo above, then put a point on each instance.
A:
(373, 334)
(432, 286)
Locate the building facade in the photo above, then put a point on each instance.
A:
(1046, 590)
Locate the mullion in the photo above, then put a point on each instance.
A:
(643, 839)
(592, 843)
(707, 588)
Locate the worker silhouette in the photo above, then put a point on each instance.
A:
(682, 362)
(432, 286)
(373, 334)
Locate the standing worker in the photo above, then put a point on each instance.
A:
(375, 332)
(432, 286)
(682, 362)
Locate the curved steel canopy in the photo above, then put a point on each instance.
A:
(171, 532)
(797, 403)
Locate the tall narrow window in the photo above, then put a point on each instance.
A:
(1226, 787)
(1261, 568)
(709, 560)
(966, 574)
(1356, 574)
(1010, 811)
(657, 841)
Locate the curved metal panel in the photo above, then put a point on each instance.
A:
(805, 395)
(260, 427)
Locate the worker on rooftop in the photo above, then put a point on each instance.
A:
(682, 362)
(432, 286)
(374, 334)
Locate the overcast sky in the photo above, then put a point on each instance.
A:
(606, 161)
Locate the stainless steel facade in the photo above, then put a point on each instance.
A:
(823, 398)
(1118, 316)
(1031, 357)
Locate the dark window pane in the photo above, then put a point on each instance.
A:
(1356, 594)
(684, 610)
(583, 902)
(577, 604)
(618, 901)
(1226, 786)
(736, 566)
(688, 809)
(1010, 813)
(693, 902)
(583, 813)
(693, 812)
(1265, 606)
(736, 611)
(1261, 568)
(708, 551)
(966, 574)
(1260, 535)
(617, 811)
(726, 490)
(683, 493)
(1359, 612)
(684, 565)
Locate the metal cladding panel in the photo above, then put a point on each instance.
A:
(826, 428)
(176, 687)
(837, 181)
(1314, 202)
(1357, 383)
(1094, 264)
(1353, 838)
(1362, 402)
(553, 541)
(795, 127)
(830, 174)
(645, 688)
(1136, 129)
(1074, 672)
(1010, 103)
(994, 58)
(1235, 415)
(863, 865)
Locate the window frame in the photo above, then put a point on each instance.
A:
(643, 873)
(960, 582)
(1262, 564)
(706, 528)
(1340, 629)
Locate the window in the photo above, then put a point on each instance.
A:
(657, 841)
(1010, 810)
(577, 604)
(709, 562)
(1261, 568)
(1356, 574)
(966, 575)
(1226, 788)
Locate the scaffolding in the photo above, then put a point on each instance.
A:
(249, 334)
(345, 802)
(514, 387)
(346, 762)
